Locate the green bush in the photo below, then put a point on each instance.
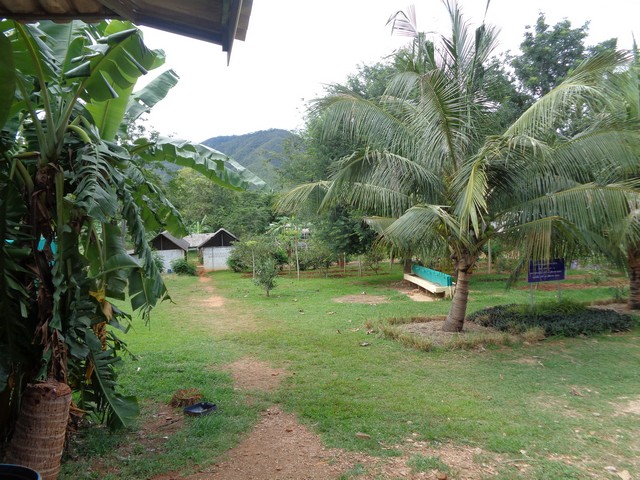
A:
(568, 319)
(236, 261)
(254, 251)
(181, 266)
(157, 259)
(316, 256)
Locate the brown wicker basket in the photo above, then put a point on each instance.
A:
(40, 431)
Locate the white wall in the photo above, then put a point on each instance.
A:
(168, 256)
(215, 258)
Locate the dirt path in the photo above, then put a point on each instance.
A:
(280, 448)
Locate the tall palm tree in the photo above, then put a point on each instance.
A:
(625, 236)
(439, 181)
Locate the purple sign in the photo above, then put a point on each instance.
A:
(546, 270)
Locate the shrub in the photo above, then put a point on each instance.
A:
(280, 256)
(564, 318)
(317, 256)
(157, 259)
(598, 276)
(181, 266)
(236, 261)
(246, 253)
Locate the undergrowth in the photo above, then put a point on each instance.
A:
(394, 329)
(565, 318)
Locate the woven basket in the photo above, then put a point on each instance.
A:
(40, 431)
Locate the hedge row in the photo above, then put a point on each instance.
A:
(568, 319)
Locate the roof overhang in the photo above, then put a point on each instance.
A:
(215, 21)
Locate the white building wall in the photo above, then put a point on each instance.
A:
(215, 258)
(168, 256)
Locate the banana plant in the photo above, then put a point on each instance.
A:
(71, 187)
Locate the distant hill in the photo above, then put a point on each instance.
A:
(260, 152)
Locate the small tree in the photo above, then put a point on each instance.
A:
(319, 256)
(373, 257)
(266, 273)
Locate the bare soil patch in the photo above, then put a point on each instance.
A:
(362, 298)
(213, 301)
(278, 448)
(418, 295)
(433, 330)
(218, 313)
(251, 374)
(533, 361)
(414, 293)
(618, 307)
(157, 423)
(629, 407)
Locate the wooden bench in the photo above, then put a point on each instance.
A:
(431, 280)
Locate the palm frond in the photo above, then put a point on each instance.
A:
(404, 23)
(471, 189)
(374, 199)
(426, 227)
(584, 86)
(295, 199)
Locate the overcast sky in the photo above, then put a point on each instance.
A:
(294, 47)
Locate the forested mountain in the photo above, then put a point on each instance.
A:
(260, 152)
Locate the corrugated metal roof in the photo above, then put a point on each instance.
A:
(215, 21)
(196, 239)
(178, 242)
(212, 240)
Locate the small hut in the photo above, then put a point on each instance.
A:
(170, 248)
(216, 249)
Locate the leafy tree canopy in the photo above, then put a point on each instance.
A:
(202, 202)
(550, 53)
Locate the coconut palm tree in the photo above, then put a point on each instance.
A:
(439, 182)
(625, 237)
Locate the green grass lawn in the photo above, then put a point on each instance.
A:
(561, 404)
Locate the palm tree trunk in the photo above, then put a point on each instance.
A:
(634, 277)
(455, 319)
(406, 265)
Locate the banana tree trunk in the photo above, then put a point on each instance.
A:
(634, 277)
(41, 428)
